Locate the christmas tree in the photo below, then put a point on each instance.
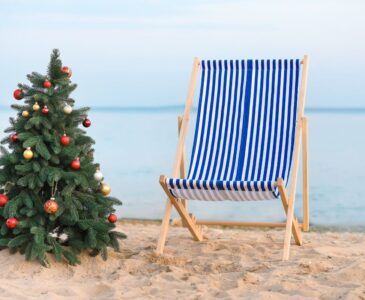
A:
(52, 195)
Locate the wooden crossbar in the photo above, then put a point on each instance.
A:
(242, 224)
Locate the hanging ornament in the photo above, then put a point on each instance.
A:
(67, 71)
(28, 154)
(14, 137)
(36, 106)
(112, 218)
(105, 189)
(75, 164)
(54, 233)
(67, 109)
(45, 110)
(3, 200)
(86, 123)
(50, 206)
(98, 176)
(11, 223)
(63, 237)
(65, 140)
(25, 114)
(47, 84)
(18, 94)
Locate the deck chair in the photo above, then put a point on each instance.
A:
(250, 123)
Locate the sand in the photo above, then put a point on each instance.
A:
(230, 264)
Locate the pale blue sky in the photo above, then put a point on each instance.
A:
(138, 52)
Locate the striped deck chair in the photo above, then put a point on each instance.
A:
(250, 123)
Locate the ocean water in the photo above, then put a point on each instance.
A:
(135, 145)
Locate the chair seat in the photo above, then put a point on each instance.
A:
(219, 190)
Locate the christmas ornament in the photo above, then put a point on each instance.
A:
(98, 176)
(63, 237)
(25, 114)
(50, 206)
(14, 137)
(105, 189)
(54, 233)
(47, 84)
(112, 218)
(11, 223)
(45, 110)
(3, 199)
(65, 140)
(75, 164)
(67, 71)
(36, 106)
(67, 109)
(18, 94)
(28, 154)
(86, 123)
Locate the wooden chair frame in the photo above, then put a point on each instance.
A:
(292, 226)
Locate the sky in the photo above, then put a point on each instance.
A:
(140, 53)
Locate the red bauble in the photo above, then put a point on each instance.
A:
(50, 206)
(11, 223)
(112, 218)
(75, 164)
(86, 123)
(47, 84)
(3, 199)
(18, 94)
(65, 140)
(45, 110)
(67, 71)
(14, 137)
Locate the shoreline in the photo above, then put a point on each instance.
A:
(313, 228)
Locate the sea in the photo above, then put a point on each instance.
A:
(135, 145)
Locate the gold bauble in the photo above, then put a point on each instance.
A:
(28, 154)
(105, 189)
(36, 106)
(51, 206)
(25, 114)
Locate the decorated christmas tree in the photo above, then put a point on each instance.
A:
(52, 195)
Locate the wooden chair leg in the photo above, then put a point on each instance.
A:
(288, 232)
(186, 218)
(183, 159)
(164, 228)
(292, 226)
(305, 175)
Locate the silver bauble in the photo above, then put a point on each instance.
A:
(67, 109)
(98, 176)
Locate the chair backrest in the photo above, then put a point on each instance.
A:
(246, 120)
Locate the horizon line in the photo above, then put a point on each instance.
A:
(166, 108)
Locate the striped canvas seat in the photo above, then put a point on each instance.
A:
(244, 134)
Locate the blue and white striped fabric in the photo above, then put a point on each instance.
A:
(244, 135)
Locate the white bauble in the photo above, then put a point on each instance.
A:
(67, 109)
(53, 234)
(63, 237)
(98, 176)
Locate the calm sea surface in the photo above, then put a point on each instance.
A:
(135, 146)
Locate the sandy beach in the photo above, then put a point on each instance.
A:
(230, 264)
